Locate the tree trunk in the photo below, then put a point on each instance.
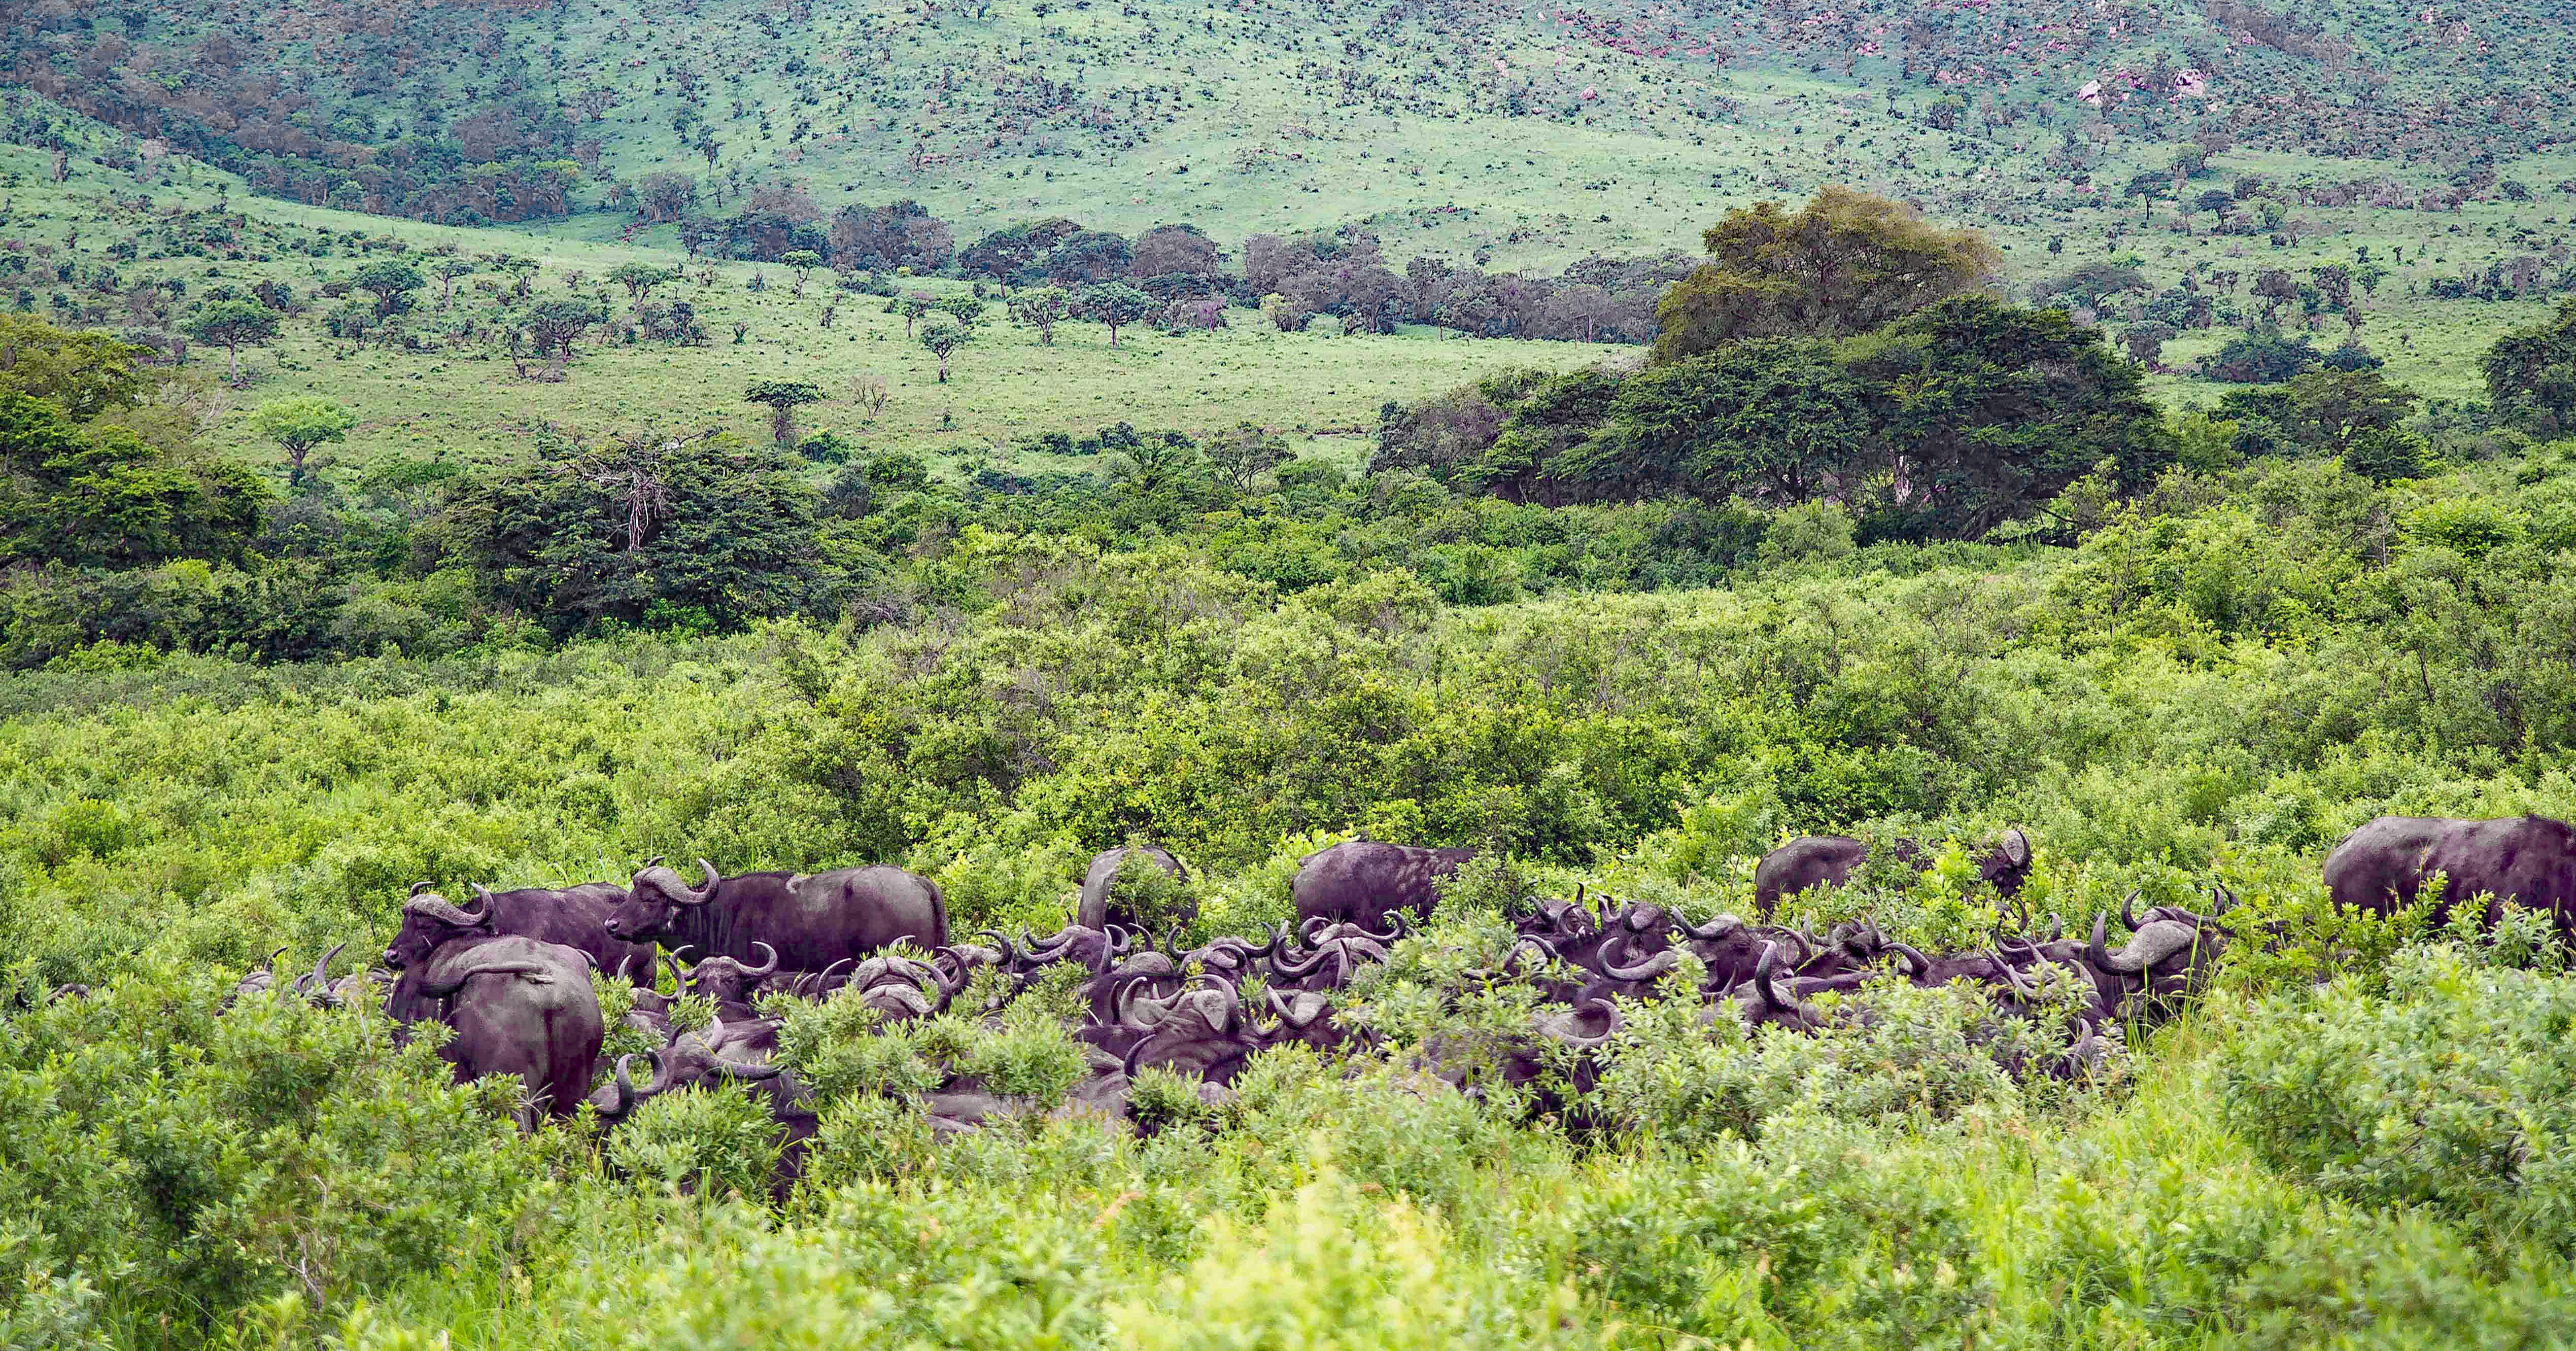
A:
(233, 351)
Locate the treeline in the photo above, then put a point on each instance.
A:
(1340, 275)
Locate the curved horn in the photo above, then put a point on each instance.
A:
(748, 1071)
(1714, 930)
(271, 964)
(2056, 927)
(2221, 899)
(322, 968)
(1762, 969)
(2128, 915)
(2100, 955)
(419, 887)
(1001, 941)
(1547, 954)
(703, 894)
(2021, 993)
(1398, 926)
(756, 972)
(438, 908)
(1296, 971)
(1649, 969)
(822, 982)
(1922, 965)
(1602, 1038)
(626, 1091)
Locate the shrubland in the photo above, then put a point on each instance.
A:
(1619, 647)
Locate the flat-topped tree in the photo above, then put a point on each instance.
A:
(392, 284)
(299, 424)
(639, 279)
(232, 325)
(783, 397)
(802, 262)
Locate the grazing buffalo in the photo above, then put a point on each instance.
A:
(2518, 860)
(809, 920)
(1100, 909)
(1812, 861)
(1363, 882)
(2378, 867)
(519, 1006)
(576, 917)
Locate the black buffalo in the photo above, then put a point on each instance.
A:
(1363, 882)
(576, 917)
(2378, 867)
(519, 1006)
(2518, 860)
(1812, 861)
(810, 920)
(1099, 909)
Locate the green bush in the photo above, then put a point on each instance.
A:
(2457, 1091)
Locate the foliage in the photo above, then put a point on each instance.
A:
(1845, 263)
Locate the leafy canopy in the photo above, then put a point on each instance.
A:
(1846, 263)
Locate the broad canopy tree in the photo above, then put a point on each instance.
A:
(1846, 263)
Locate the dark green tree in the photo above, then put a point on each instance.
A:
(649, 529)
(1770, 417)
(104, 497)
(1117, 304)
(1985, 410)
(392, 284)
(2531, 374)
(784, 397)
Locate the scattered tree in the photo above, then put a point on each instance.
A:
(233, 325)
(1041, 308)
(1117, 304)
(299, 424)
(943, 334)
(784, 397)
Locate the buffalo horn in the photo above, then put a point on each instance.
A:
(2022, 994)
(419, 887)
(2221, 899)
(1922, 965)
(1648, 969)
(441, 910)
(748, 1071)
(1297, 971)
(626, 1092)
(1715, 929)
(703, 894)
(1602, 1038)
(322, 968)
(2128, 915)
(755, 973)
(2101, 955)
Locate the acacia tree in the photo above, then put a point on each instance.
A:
(1042, 308)
(1117, 304)
(639, 279)
(943, 334)
(1846, 263)
(299, 424)
(231, 325)
(1245, 453)
(784, 397)
(448, 270)
(392, 284)
(802, 262)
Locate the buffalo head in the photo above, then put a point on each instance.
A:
(428, 919)
(654, 897)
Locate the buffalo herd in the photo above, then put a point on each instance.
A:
(511, 973)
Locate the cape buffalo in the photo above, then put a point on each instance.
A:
(2519, 860)
(1812, 861)
(576, 917)
(519, 1006)
(2379, 865)
(1099, 909)
(810, 920)
(1363, 882)
(2523, 860)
